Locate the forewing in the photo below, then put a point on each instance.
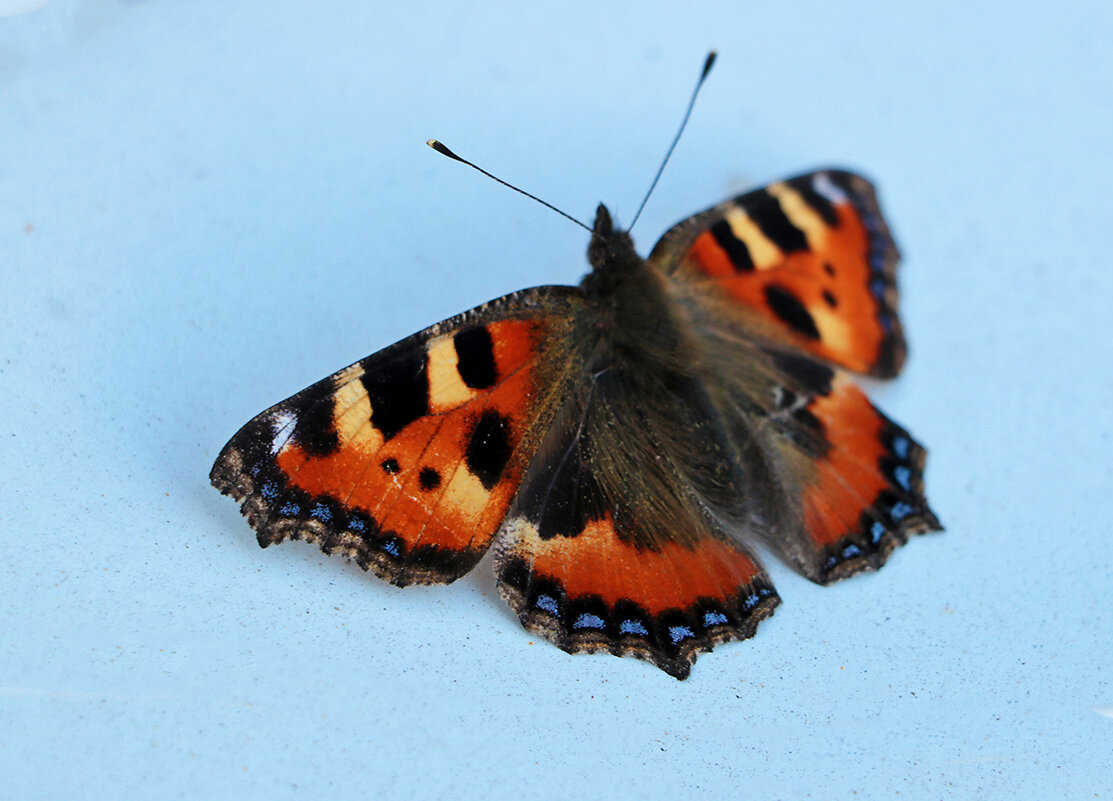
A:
(407, 461)
(813, 255)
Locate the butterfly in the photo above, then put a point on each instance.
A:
(621, 445)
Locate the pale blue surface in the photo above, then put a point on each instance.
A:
(205, 206)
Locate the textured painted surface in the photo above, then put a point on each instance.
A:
(202, 209)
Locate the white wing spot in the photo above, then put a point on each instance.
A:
(282, 424)
(823, 184)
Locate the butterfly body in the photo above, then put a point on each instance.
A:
(619, 445)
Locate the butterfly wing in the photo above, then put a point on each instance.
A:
(812, 255)
(860, 478)
(844, 483)
(611, 544)
(407, 461)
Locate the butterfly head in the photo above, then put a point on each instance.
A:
(610, 250)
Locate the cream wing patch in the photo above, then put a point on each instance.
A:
(463, 501)
(763, 253)
(447, 389)
(352, 411)
(834, 330)
(801, 215)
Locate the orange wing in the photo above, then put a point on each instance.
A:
(813, 255)
(856, 477)
(408, 460)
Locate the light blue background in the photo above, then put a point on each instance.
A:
(206, 206)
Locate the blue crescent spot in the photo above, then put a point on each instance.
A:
(900, 511)
(903, 476)
(357, 525)
(321, 512)
(548, 603)
(270, 490)
(632, 627)
(851, 551)
(391, 547)
(589, 621)
(678, 633)
(714, 618)
(289, 509)
(877, 531)
(900, 447)
(751, 600)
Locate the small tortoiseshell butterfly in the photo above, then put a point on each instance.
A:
(620, 443)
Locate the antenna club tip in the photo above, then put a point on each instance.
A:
(709, 62)
(444, 151)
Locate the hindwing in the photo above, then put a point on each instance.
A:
(613, 543)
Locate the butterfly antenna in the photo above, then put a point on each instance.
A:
(688, 113)
(444, 151)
